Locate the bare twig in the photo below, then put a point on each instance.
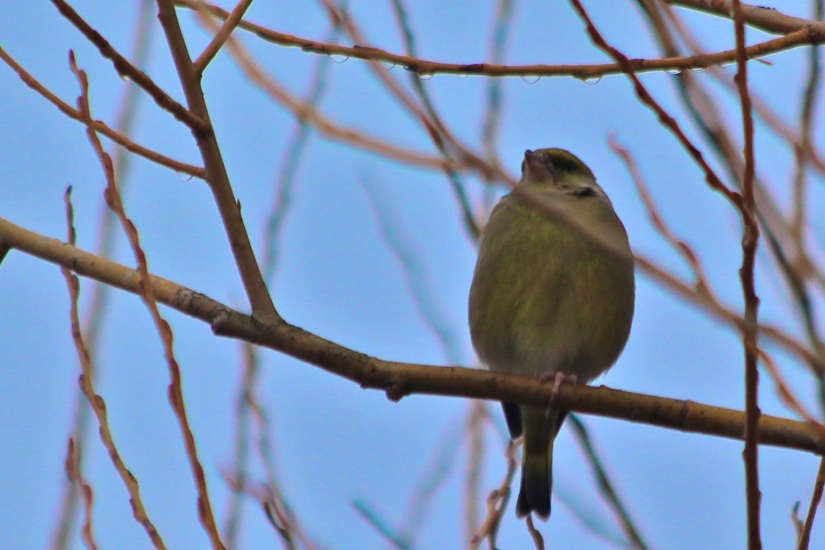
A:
(288, 526)
(216, 176)
(437, 472)
(435, 126)
(798, 524)
(750, 240)
(98, 303)
(701, 285)
(99, 126)
(492, 118)
(73, 471)
(306, 113)
(628, 525)
(293, 154)
(150, 301)
(222, 35)
(765, 19)
(497, 502)
(475, 456)
(381, 525)
(128, 71)
(96, 402)
(800, 37)
(240, 461)
(816, 497)
(538, 540)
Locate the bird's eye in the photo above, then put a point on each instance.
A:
(585, 192)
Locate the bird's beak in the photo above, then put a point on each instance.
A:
(536, 167)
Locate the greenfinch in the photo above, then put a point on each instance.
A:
(552, 295)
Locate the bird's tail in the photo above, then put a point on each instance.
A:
(540, 427)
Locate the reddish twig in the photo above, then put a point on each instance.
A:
(787, 397)
(96, 402)
(816, 497)
(237, 480)
(287, 525)
(538, 540)
(222, 35)
(800, 37)
(750, 240)
(766, 19)
(147, 294)
(100, 126)
(72, 466)
(105, 241)
(128, 71)
(497, 502)
(701, 285)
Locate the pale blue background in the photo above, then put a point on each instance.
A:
(334, 441)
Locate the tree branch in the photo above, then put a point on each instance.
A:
(401, 379)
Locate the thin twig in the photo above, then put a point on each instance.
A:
(240, 460)
(497, 502)
(666, 120)
(766, 19)
(100, 126)
(750, 241)
(381, 525)
(292, 532)
(128, 71)
(605, 485)
(475, 457)
(498, 45)
(306, 113)
(73, 472)
(149, 299)
(293, 154)
(800, 37)
(435, 126)
(98, 302)
(701, 284)
(538, 540)
(798, 524)
(436, 474)
(222, 35)
(777, 232)
(816, 497)
(96, 402)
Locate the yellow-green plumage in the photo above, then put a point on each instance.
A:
(548, 297)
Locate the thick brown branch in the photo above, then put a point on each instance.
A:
(401, 379)
(216, 176)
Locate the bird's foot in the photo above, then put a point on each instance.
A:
(558, 379)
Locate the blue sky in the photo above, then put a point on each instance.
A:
(337, 277)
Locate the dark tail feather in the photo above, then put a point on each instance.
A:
(512, 414)
(540, 426)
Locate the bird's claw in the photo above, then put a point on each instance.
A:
(558, 379)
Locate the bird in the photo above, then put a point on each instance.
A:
(552, 296)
